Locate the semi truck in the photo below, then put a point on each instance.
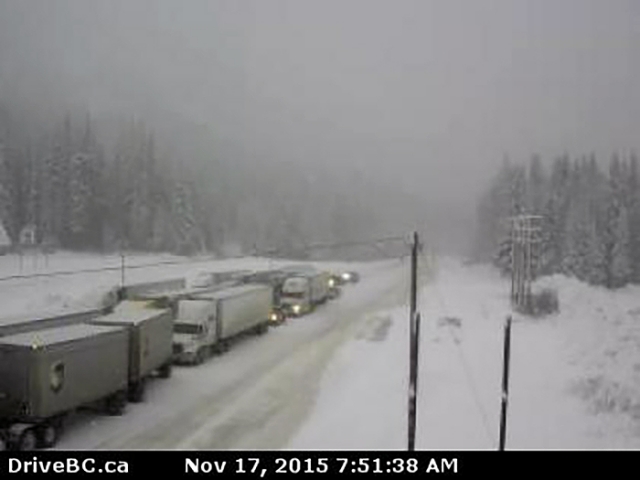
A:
(275, 279)
(47, 374)
(150, 342)
(207, 323)
(301, 293)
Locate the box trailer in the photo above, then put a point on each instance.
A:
(47, 374)
(151, 336)
(275, 279)
(208, 323)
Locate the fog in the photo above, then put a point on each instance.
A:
(422, 97)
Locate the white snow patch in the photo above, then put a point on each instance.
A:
(574, 376)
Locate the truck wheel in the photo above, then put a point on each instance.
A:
(200, 356)
(116, 403)
(136, 392)
(165, 370)
(27, 440)
(48, 434)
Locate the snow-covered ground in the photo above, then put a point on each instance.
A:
(337, 379)
(574, 382)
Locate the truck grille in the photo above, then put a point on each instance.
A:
(177, 348)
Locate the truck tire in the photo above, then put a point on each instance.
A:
(165, 370)
(136, 391)
(223, 346)
(200, 356)
(116, 403)
(27, 441)
(48, 434)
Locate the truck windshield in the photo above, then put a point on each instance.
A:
(190, 328)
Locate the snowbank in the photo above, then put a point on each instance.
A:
(574, 380)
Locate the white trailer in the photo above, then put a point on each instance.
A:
(209, 322)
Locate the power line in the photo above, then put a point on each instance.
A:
(467, 370)
(472, 386)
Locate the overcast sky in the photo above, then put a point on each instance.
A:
(428, 94)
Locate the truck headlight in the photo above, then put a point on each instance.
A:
(274, 317)
(345, 276)
(296, 309)
(332, 282)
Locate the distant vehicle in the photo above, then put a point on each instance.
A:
(352, 277)
(334, 287)
(337, 279)
(233, 275)
(200, 280)
(207, 323)
(302, 293)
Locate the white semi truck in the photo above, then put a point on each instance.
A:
(207, 323)
(301, 293)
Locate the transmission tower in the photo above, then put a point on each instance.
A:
(525, 242)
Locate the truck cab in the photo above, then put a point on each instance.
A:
(194, 331)
(295, 298)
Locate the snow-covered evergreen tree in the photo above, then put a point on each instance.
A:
(188, 238)
(536, 186)
(5, 197)
(555, 213)
(620, 268)
(615, 229)
(633, 189)
(80, 199)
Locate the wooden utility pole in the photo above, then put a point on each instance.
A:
(414, 329)
(505, 383)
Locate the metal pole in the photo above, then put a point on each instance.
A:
(414, 274)
(412, 345)
(505, 383)
(412, 392)
(414, 381)
(122, 269)
(513, 262)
